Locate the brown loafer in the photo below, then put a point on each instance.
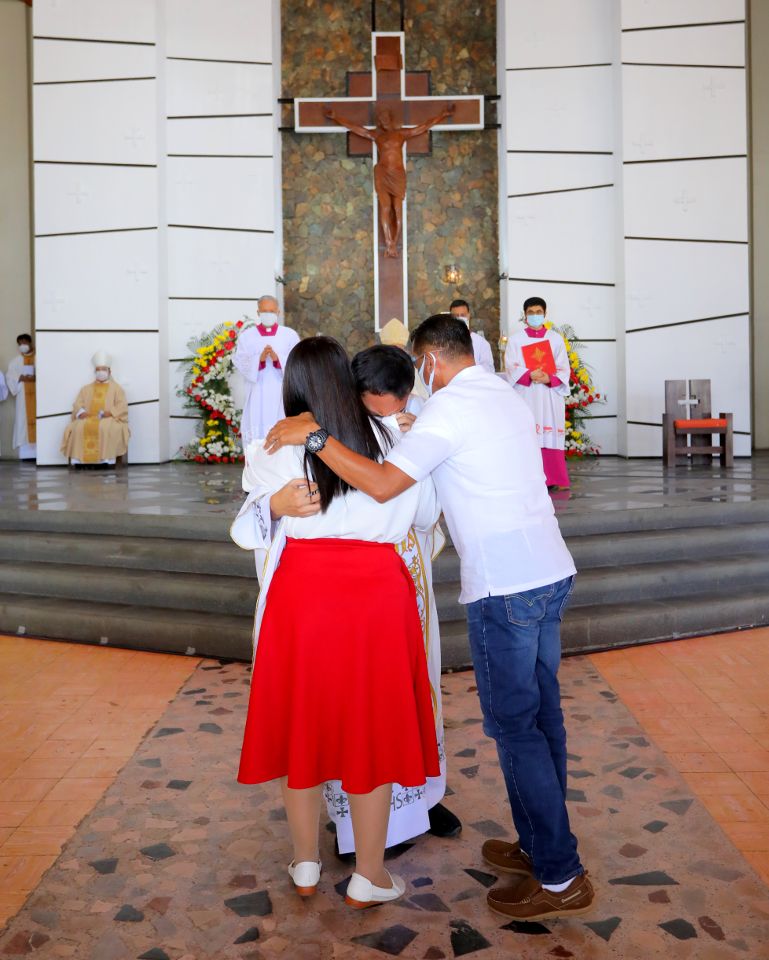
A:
(528, 900)
(506, 857)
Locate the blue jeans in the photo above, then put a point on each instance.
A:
(516, 647)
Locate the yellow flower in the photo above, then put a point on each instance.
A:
(573, 357)
(577, 434)
(228, 323)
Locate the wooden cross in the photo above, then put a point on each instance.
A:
(407, 96)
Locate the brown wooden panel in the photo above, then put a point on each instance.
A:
(418, 83)
(466, 111)
(311, 114)
(358, 84)
(390, 284)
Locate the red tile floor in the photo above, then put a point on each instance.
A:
(124, 834)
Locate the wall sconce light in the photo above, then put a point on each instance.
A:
(452, 274)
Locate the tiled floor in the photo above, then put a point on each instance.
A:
(178, 861)
(70, 718)
(606, 483)
(705, 702)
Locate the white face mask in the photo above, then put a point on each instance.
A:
(268, 318)
(465, 320)
(102, 375)
(24, 348)
(391, 422)
(535, 320)
(427, 384)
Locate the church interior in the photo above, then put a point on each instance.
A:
(178, 176)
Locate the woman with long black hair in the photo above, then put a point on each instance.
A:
(339, 688)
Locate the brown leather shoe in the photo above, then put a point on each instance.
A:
(528, 900)
(506, 857)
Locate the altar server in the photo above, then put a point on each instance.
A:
(21, 383)
(481, 348)
(261, 356)
(340, 688)
(537, 365)
(476, 437)
(98, 432)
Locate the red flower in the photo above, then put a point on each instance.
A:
(197, 398)
(239, 324)
(232, 334)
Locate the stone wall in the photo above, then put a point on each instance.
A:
(327, 198)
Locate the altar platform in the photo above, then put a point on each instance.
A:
(140, 556)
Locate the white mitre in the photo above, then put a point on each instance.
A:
(101, 359)
(394, 334)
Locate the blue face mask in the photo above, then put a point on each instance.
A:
(427, 384)
(535, 320)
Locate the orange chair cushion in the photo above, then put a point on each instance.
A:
(695, 424)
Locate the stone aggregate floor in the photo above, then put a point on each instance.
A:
(176, 860)
(598, 483)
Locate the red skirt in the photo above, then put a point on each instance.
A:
(340, 688)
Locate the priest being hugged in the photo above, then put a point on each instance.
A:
(98, 432)
(537, 366)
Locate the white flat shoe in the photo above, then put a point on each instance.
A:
(305, 875)
(362, 893)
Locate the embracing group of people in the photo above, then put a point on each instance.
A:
(344, 497)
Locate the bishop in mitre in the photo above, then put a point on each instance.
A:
(98, 432)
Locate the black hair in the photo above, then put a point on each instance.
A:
(443, 332)
(534, 302)
(460, 303)
(23, 336)
(383, 369)
(318, 379)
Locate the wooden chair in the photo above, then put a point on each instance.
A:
(697, 428)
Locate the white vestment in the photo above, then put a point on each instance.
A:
(355, 516)
(16, 369)
(482, 352)
(263, 405)
(547, 403)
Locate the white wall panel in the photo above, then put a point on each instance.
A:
(670, 282)
(601, 359)
(64, 365)
(542, 172)
(220, 263)
(658, 13)
(562, 236)
(72, 198)
(590, 310)
(59, 60)
(97, 281)
(218, 192)
(144, 445)
(50, 433)
(191, 318)
(722, 45)
(211, 89)
(603, 433)
(705, 199)
(567, 109)
(176, 407)
(718, 350)
(557, 32)
(670, 112)
(220, 30)
(96, 19)
(232, 136)
(97, 122)
(180, 431)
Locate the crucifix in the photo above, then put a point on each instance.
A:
(389, 112)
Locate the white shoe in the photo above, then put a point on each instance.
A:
(305, 875)
(362, 893)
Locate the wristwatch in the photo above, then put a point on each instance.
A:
(316, 441)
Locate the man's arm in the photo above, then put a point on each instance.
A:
(349, 125)
(410, 132)
(381, 481)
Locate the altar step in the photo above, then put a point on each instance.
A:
(178, 584)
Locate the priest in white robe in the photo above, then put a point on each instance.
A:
(260, 357)
(542, 378)
(481, 347)
(21, 383)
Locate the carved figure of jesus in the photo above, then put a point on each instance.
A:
(389, 172)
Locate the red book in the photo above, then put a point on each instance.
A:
(539, 356)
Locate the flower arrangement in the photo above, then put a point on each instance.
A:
(207, 391)
(583, 395)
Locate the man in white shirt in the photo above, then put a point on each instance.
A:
(481, 348)
(477, 438)
(260, 357)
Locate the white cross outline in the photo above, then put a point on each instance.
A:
(642, 143)
(723, 344)
(134, 136)
(220, 264)
(712, 87)
(137, 272)
(688, 402)
(684, 201)
(79, 193)
(54, 300)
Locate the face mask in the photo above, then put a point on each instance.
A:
(102, 376)
(268, 318)
(535, 320)
(427, 384)
(465, 320)
(24, 348)
(391, 422)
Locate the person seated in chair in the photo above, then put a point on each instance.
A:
(98, 432)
